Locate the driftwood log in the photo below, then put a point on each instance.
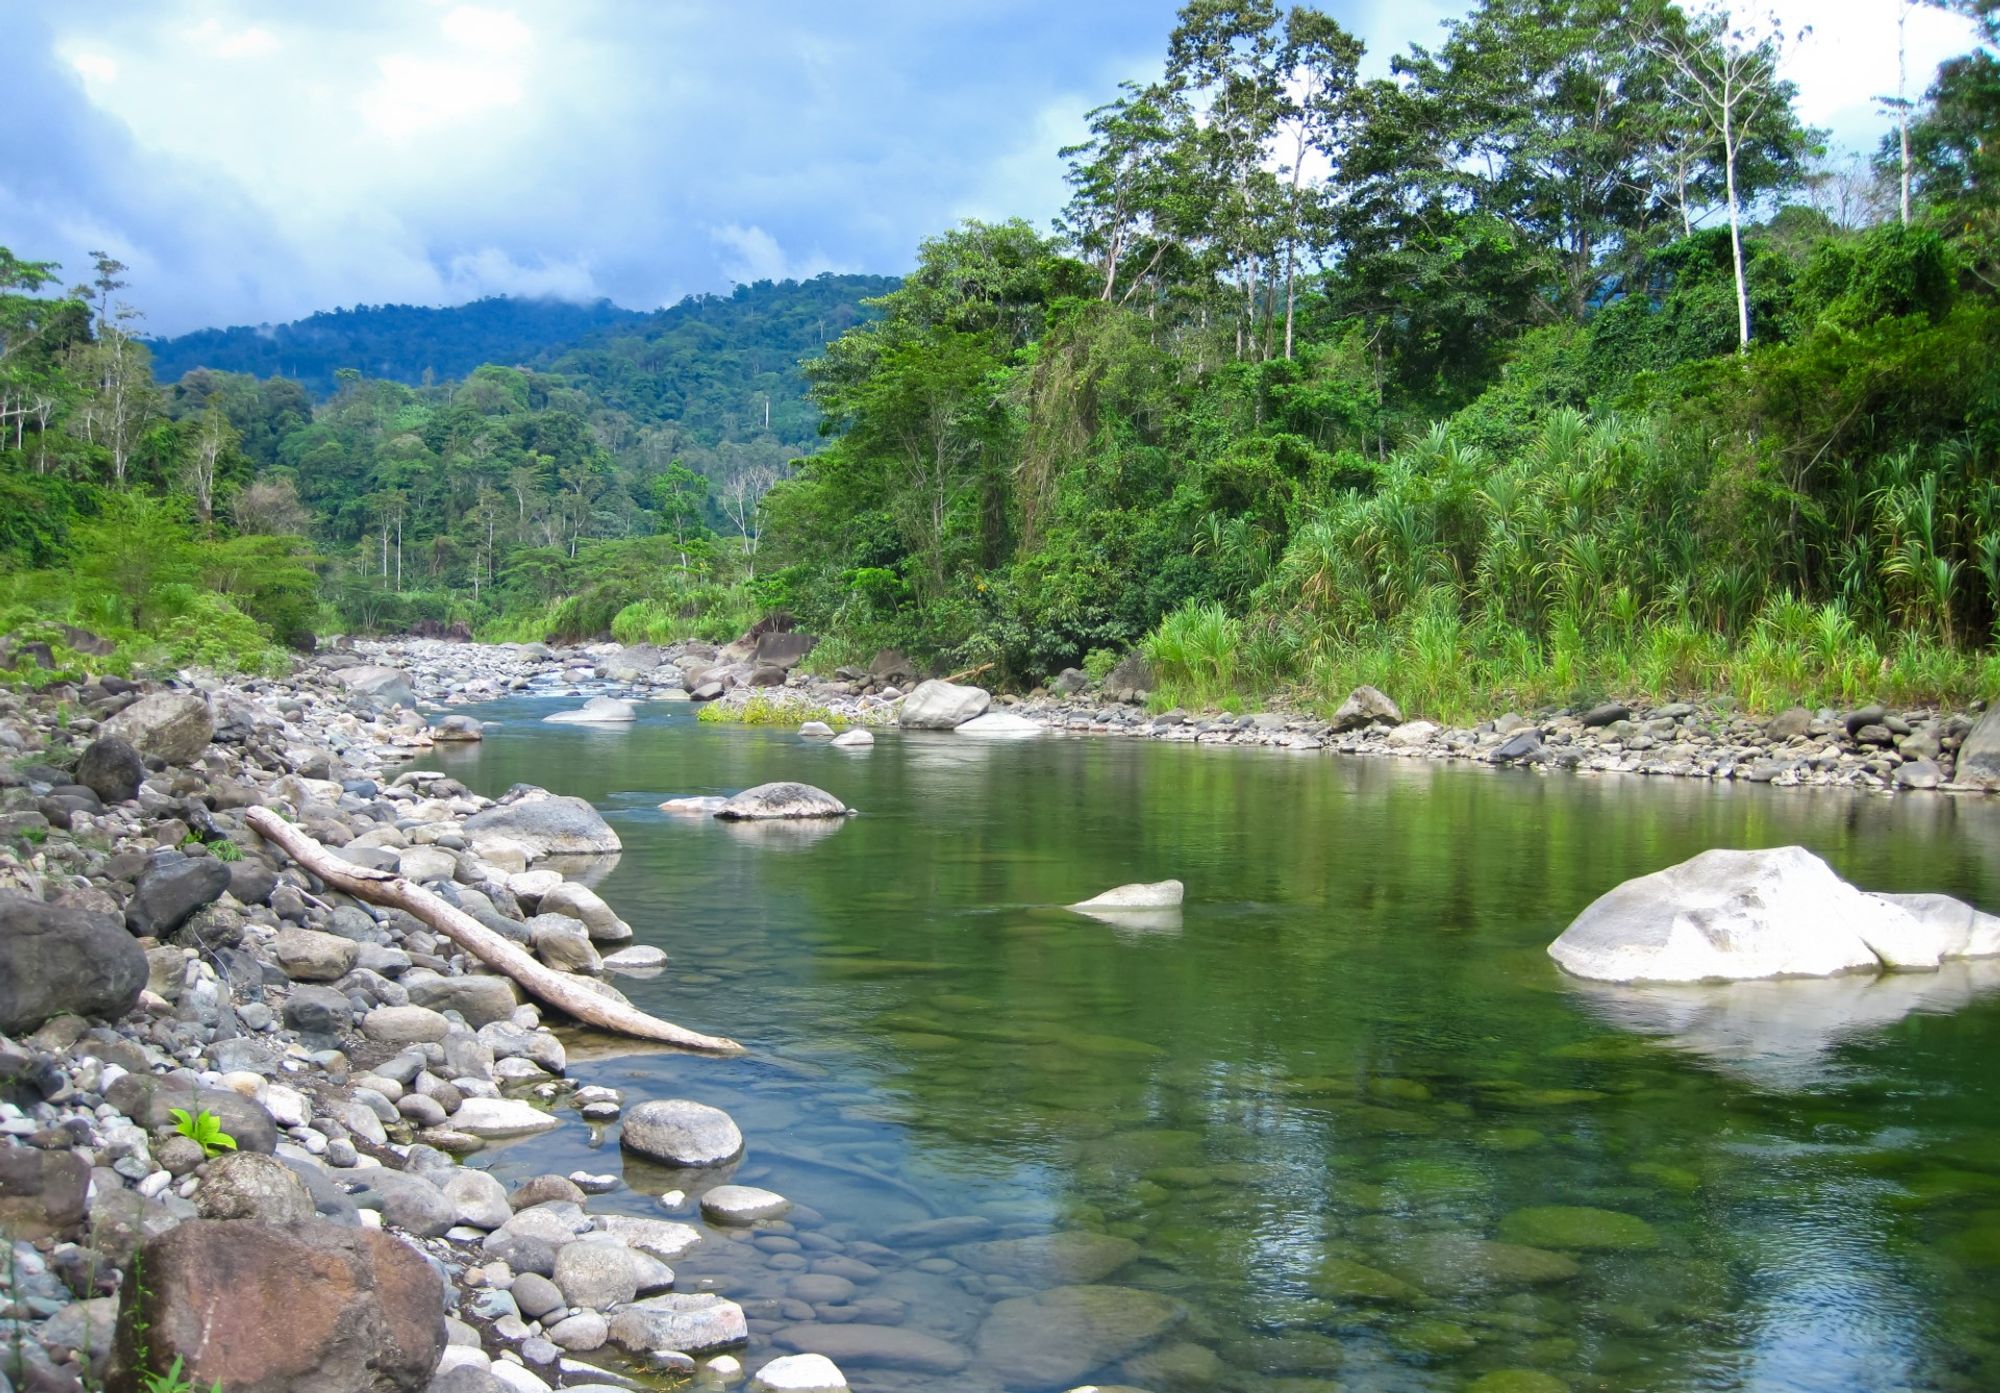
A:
(558, 989)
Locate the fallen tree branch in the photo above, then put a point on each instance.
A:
(969, 672)
(557, 989)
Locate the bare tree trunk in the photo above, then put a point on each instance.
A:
(1735, 234)
(558, 989)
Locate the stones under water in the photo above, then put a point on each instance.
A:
(1346, 1126)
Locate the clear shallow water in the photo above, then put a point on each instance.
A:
(1333, 1126)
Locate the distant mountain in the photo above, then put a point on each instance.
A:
(400, 342)
(722, 367)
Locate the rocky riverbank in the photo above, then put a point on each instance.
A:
(165, 977)
(1868, 747)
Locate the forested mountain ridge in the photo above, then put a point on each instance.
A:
(411, 344)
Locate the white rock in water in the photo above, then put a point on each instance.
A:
(638, 958)
(680, 1132)
(596, 711)
(799, 1373)
(938, 705)
(742, 1204)
(1000, 725)
(816, 729)
(781, 800)
(500, 1117)
(1161, 894)
(854, 740)
(1741, 915)
(694, 805)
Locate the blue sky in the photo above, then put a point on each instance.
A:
(253, 161)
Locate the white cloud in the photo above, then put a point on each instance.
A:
(497, 31)
(490, 271)
(752, 254)
(94, 67)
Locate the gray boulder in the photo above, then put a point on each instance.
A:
(251, 1185)
(171, 889)
(681, 1133)
(111, 769)
(781, 800)
(1737, 915)
(63, 961)
(379, 686)
(784, 651)
(938, 705)
(693, 1323)
(480, 998)
(174, 726)
(630, 664)
(547, 825)
(458, 730)
(1366, 706)
(1979, 756)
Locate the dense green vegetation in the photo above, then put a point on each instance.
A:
(1535, 370)
(615, 487)
(1482, 413)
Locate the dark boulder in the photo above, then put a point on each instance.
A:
(171, 889)
(57, 961)
(111, 769)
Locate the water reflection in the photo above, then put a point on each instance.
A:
(1785, 1034)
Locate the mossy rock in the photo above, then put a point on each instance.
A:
(1517, 1381)
(1676, 1178)
(1513, 1139)
(1354, 1281)
(1433, 1339)
(1979, 1245)
(1448, 1263)
(1576, 1228)
(1399, 1090)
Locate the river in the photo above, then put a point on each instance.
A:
(1338, 1123)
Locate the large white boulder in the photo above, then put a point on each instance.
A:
(598, 711)
(937, 705)
(1160, 894)
(1740, 915)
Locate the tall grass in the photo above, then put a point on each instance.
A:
(1591, 563)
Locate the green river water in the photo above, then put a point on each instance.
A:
(1339, 1124)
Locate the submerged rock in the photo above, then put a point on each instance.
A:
(1055, 1337)
(781, 800)
(694, 805)
(1738, 915)
(937, 705)
(1160, 894)
(876, 1344)
(1051, 1257)
(742, 1204)
(1577, 1228)
(854, 740)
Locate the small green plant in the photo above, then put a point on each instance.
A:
(762, 710)
(204, 1127)
(225, 851)
(173, 1381)
(1097, 664)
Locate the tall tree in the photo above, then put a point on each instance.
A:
(1726, 76)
